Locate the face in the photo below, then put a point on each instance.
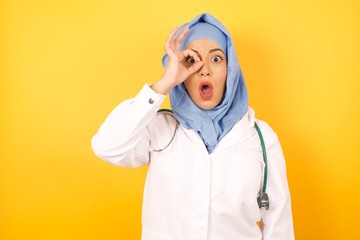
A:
(206, 87)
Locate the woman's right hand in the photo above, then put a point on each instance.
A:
(176, 70)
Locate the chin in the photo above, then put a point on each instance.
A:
(206, 105)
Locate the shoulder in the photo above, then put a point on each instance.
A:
(164, 120)
(166, 116)
(265, 127)
(268, 133)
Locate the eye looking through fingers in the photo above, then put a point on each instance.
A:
(190, 56)
(190, 60)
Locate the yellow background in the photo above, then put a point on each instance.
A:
(66, 64)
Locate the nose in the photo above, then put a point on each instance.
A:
(204, 71)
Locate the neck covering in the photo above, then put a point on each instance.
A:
(211, 125)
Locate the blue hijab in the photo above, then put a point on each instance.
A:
(211, 125)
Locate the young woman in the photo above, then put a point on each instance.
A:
(206, 165)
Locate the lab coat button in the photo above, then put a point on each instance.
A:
(151, 101)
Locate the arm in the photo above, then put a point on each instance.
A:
(123, 138)
(276, 223)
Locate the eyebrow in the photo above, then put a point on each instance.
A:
(211, 50)
(216, 49)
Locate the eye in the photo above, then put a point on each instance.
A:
(190, 60)
(217, 59)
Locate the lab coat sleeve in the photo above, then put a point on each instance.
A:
(277, 222)
(123, 139)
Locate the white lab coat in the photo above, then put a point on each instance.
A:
(190, 194)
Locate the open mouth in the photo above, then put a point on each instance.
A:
(206, 90)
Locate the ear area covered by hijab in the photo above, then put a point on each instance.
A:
(211, 125)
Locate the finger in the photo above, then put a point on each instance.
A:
(169, 52)
(194, 68)
(170, 39)
(180, 37)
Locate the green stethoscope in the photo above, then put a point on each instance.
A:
(263, 198)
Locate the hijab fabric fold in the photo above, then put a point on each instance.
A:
(211, 125)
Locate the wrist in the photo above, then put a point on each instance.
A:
(162, 86)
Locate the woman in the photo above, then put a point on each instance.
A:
(205, 162)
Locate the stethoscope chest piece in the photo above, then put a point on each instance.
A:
(263, 201)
